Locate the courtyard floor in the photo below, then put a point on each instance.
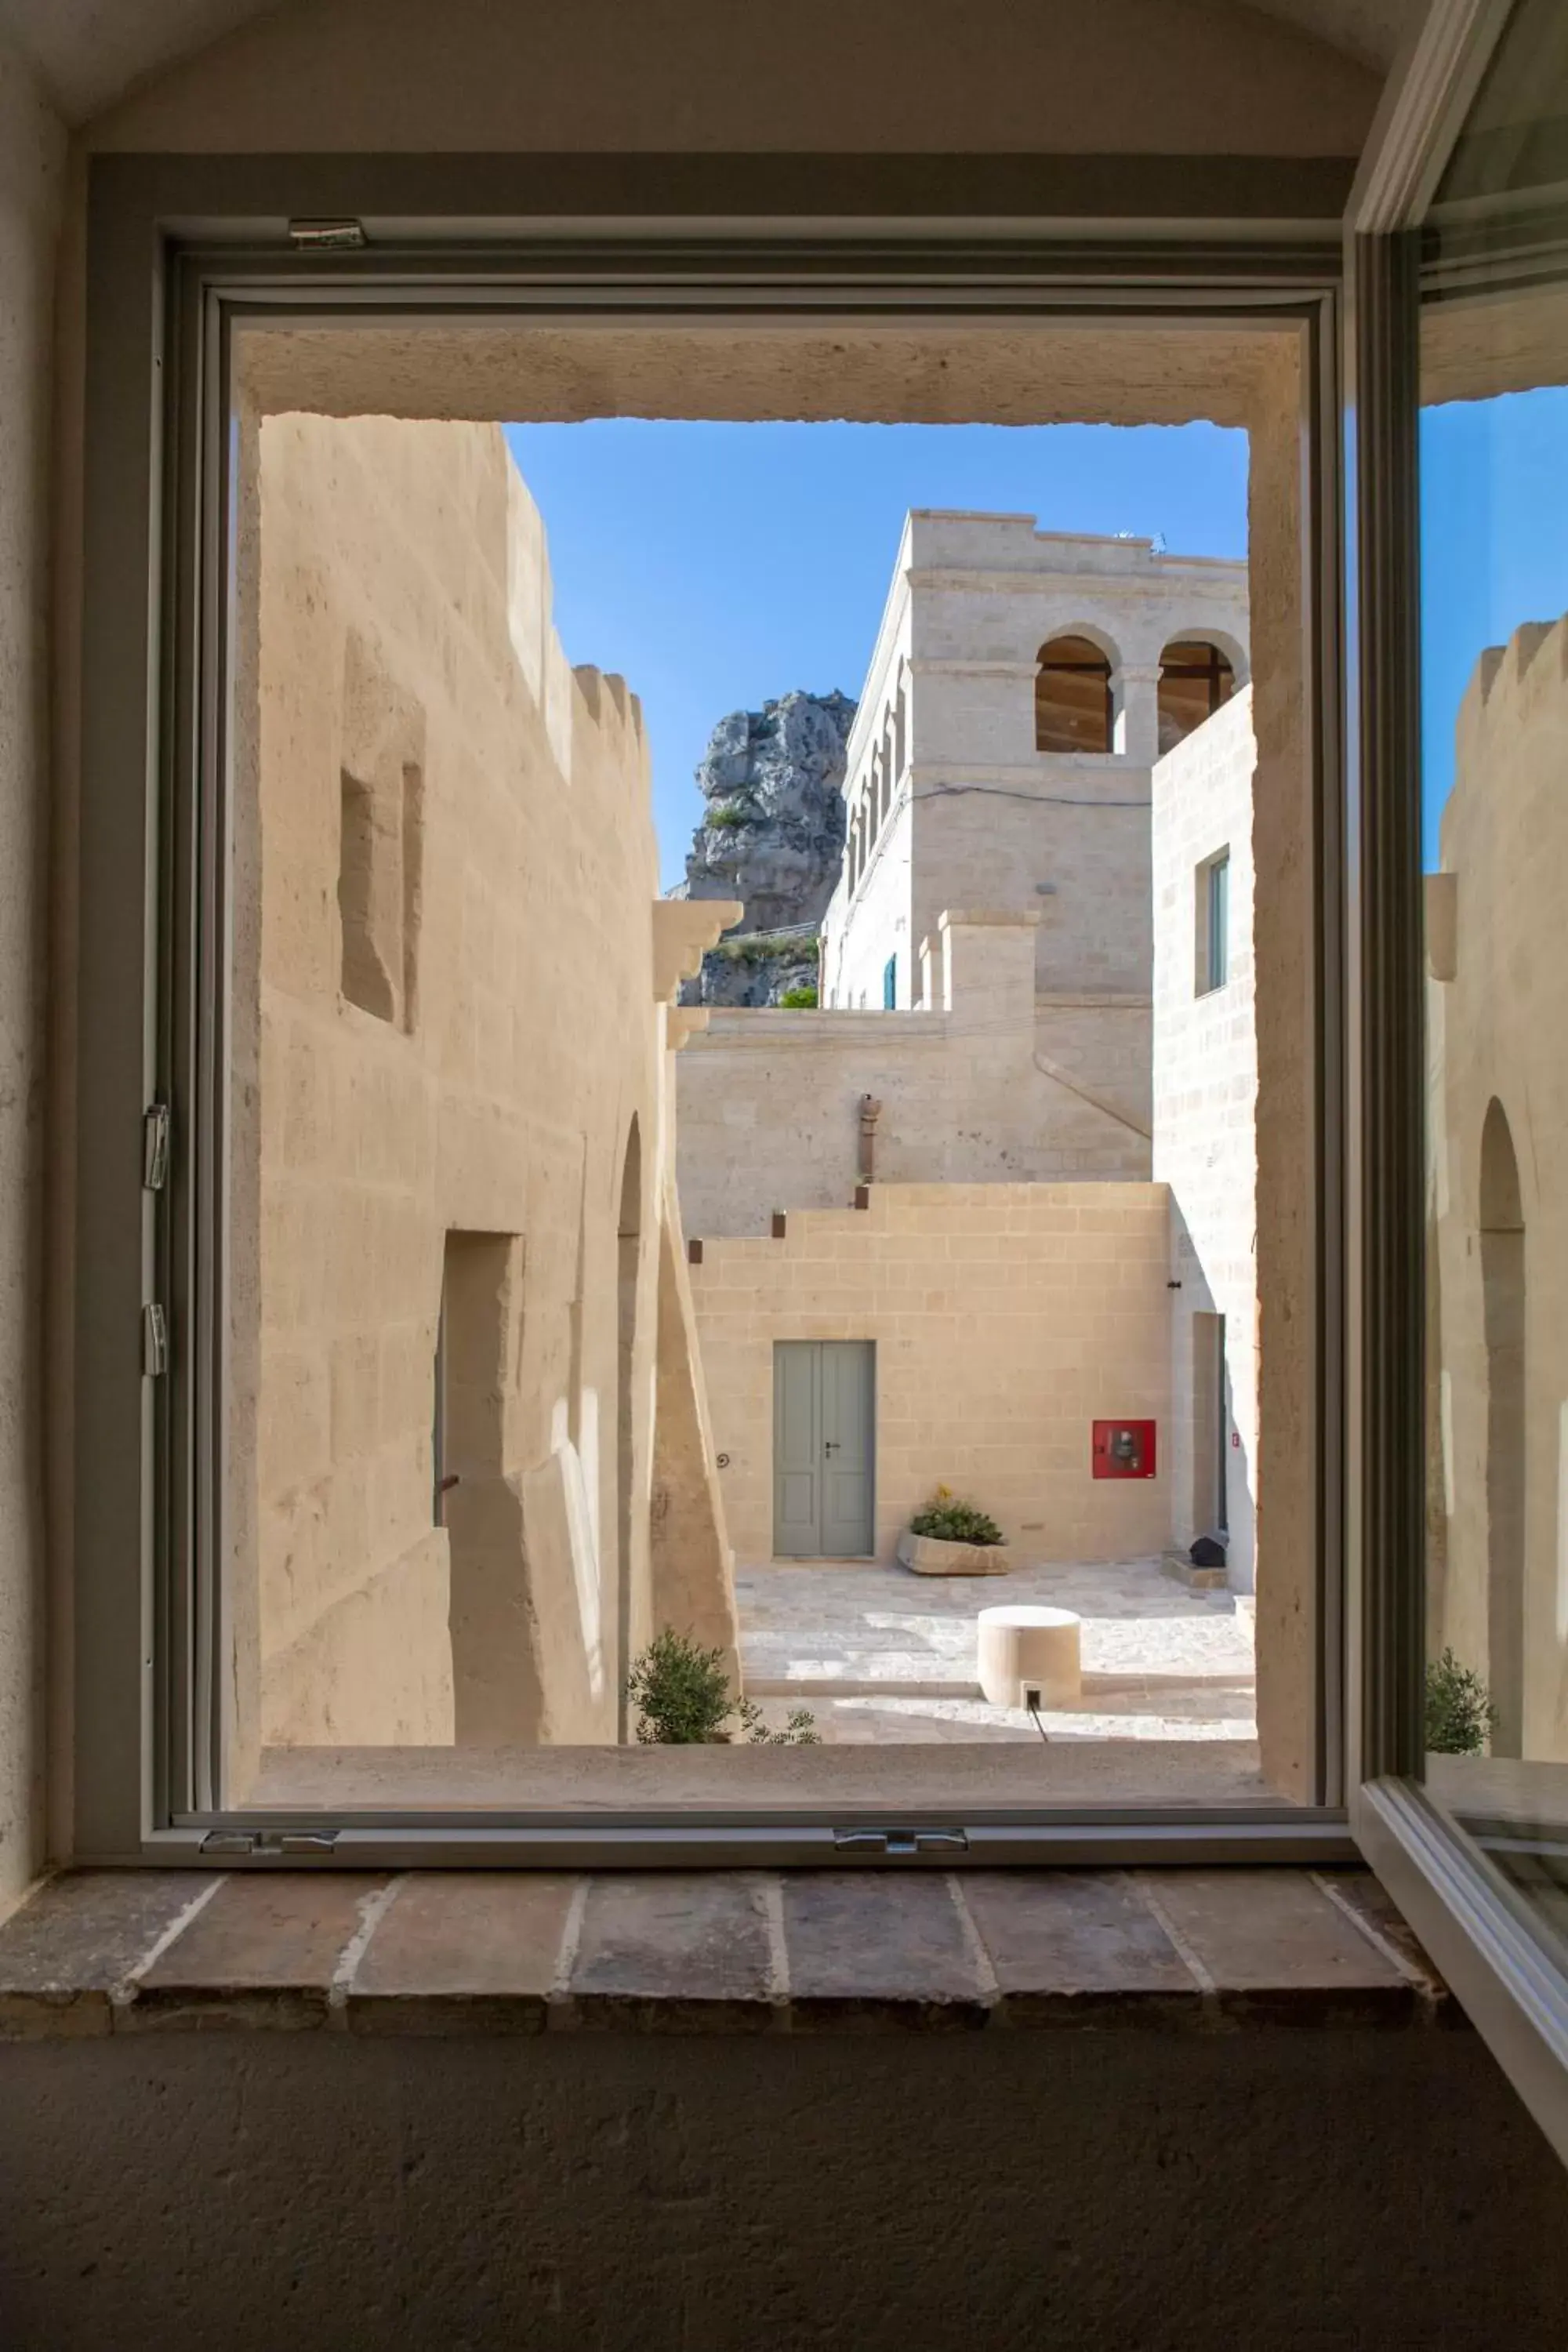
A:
(878, 1655)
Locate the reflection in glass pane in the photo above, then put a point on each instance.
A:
(1494, 475)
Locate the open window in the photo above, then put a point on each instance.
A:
(1458, 1516)
(452, 1206)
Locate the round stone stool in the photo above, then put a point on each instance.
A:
(1024, 1649)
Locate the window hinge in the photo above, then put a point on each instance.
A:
(154, 1342)
(156, 1148)
(900, 1844)
(253, 1845)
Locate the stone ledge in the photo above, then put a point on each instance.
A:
(850, 1950)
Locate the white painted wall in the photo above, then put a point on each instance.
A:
(1206, 1105)
(32, 157)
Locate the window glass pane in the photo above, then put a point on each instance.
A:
(1494, 524)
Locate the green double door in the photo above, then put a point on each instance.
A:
(825, 1426)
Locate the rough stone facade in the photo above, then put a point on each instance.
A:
(1495, 998)
(1206, 1117)
(451, 1195)
(772, 836)
(1006, 1317)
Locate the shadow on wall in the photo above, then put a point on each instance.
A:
(1213, 1391)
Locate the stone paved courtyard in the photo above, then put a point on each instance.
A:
(880, 1655)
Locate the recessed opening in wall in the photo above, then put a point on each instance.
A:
(777, 912)
(1196, 680)
(380, 840)
(1075, 705)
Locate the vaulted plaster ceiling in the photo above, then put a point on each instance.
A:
(90, 52)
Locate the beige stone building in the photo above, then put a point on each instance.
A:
(1205, 1125)
(1022, 684)
(469, 1468)
(991, 1323)
(1496, 996)
(996, 883)
(1092, 1027)
(999, 1319)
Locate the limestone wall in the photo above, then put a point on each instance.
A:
(995, 822)
(1006, 1317)
(986, 1089)
(1498, 997)
(1205, 1118)
(445, 956)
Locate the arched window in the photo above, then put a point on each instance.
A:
(1196, 679)
(1074, 708)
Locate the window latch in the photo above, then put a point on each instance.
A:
(341, 236)
(255, 1845)
(156, 1148)
(901, 1845)
(154, 1342)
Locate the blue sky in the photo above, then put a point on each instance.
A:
(718, 566)
(1494, 550)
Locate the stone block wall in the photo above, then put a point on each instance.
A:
(1206, 1115)
(992, 1086)
(448, 1124)
(1006, 1318)
(1497, 995)
(980, 816)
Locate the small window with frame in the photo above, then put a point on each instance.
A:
(1211, 897)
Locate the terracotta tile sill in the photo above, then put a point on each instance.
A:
(449, 1952)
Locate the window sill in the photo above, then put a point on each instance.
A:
(434, 1952)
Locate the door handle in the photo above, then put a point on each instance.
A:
(830, 1446)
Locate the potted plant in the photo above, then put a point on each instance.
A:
(952, 1537)
(684, 1699)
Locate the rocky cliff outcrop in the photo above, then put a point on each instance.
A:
(772, 837)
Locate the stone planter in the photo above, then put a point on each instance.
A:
(929, 1556)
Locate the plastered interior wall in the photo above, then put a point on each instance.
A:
(32, 166)
(458, 1053)
(1494, 1002)
(610, 2190)
(983, 1090)
(1006, 1317)
(1205, 1111)
(1162, 77)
